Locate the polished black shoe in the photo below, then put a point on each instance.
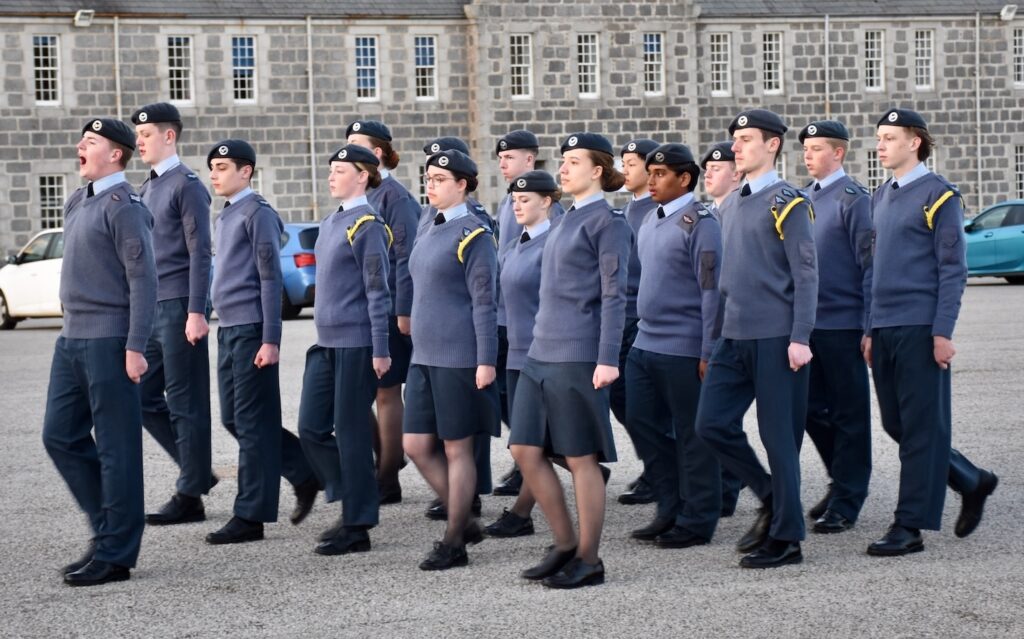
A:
(605, 473)
(830, 523)
(818, 509)
(472, 534)
(510, 484)
(774, 553)
(75, 566)
(443, 557)
(345, 542)
(653, 529)
(336, 529)
(390, 494)
(641, 493)
(679, 537)
(97, 572)
(305, 496)
(437, 511)
(898, 541)
(181, 509)
(576, 574)
(236, 531)
(758, 533)
(510, 525)
(553, 562)
(973, 504)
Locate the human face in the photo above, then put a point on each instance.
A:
(514, 163)
(227, 179)
(897, 148)
(665, 185)
(346, 181)
(97, 157)
(636, 173)
(530, 208)
(821, 158)
(754, 155)
(153, 145)
(720, 178)
(579, 175)
(443, 190)
(365, 142)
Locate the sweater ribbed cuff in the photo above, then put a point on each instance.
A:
(380, 346)
(943, 327)
(801, 333)
(608, 354)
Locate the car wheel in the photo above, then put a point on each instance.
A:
(1015, 279)
(289, 310)
(6, 321)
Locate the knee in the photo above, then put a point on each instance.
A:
(525, 455)
(581, 464)
(459, 451)
(418, 447)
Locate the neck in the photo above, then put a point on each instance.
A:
(228, 196)
(592, 190)
(753, 174)
(105, 172)
(639, 193)
(169, 154)
(904, 168)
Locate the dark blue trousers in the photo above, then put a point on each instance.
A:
(617, 391)
(739, 372)
(915, 404)
(180, 420)
(93, 433)
(338, 388)
(839, 416)
(662, 393)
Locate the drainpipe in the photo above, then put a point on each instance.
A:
(977, 104)
(117, 67)
(312, 128)
(828, 70)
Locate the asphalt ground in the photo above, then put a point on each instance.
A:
(278, 587)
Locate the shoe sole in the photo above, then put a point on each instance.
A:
(458, 564)
(98, 582)
(152, 520)
(596, 580)
(505, 492)
(895, 553)
(789, 561)
(829, 531)
(634, 501)
(331, 552)
(234, 540)
(661, 544)
(509, 535)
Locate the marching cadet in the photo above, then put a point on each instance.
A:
(920, 270)
(769, 284)
(178, 352)
(247, 295)
(839, 400)
(633, 154)
(561, 401)
(401, 213)
(108, 291)
(680, 250)
(450, 390)
(351, 352)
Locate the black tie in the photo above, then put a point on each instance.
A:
(152, 174)
(895, 185)
(439, 219)
(817, 186)
(661, 212)
(571, 209)
(745, 191)
(89, 192)
(524, 238)
(227, 203)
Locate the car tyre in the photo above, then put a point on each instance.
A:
(6, 321)
(289, 310)
(1015, 279)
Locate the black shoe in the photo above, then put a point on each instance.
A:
(75, 566)
(214, 480)
(553, 562)
(336, 529)
(973, 504)
(97, 572)
(774, 553)
(510, 525)
(653, 529)
(390, 494)
(345, 542)
(633, 484)
(472, 534)
(236, 531)
(510, 484)
(641, 493)
(181, 509)
(831, 522)
(437, 512)
(443, 557)
(758, 533)
(305, 496)
(679, 537)
(818, 509)
(576, 574)
(898, 541)
(605, 473)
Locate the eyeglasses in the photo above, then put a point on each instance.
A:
(436, 180)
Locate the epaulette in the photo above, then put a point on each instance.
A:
(781, 207)
(468, 235)
(351, 231)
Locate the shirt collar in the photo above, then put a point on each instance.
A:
(763, 182)
(454, 213)
(832, 178)
(104, 183)
(247, 191)
(645, 196)
(354, 202)
(579, 204)
(677, 204)
(167, 165)
(384, 174)
(915, 173)
(539, 228)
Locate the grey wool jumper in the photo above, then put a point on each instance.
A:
(508, 234)
(520, 288)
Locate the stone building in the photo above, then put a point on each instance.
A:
(289, 76)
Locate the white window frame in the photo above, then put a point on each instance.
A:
(54, 57)
(1017, 56)
(1019, 165)
(874, 56)
(426, 72)
(924, 59)
(720, 61)
(781, 166)
(520, 59)
(254, 78)
(875, 172)
(932, 163)
(772, 63)
(588, 64)
(654, 64)
(188, 78)
(371, 43)
(52, 191)
(256, 181)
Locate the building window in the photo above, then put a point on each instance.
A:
(654, 64)
(51, 201)
(924, 59)
(366, 68)
(876, 174)
(780, 164)
(874, 61)
(520, 57)
(771, 51)
(46, 63)
(426, 67)
(423, 187)
(587, 65)
(179, 68)
(721, 67)
(243, 68)
(932, 162)
(1018, 56)
(1020, 171)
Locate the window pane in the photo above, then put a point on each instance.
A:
(587, 64)
(46, 65)
(772, 63)
(179, 68)
(243, 63)
(426, 67)
(521, 65)
(924, 66)
(721, 80)
(51, 201)
(874, 68)
(654, 64)
(366, 67)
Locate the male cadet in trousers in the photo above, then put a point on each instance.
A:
(247, 296)
(839, 399)
(681, 250)
(920, 270)
(108, 290)
(178, 352)
(769, 288)
(634, 155)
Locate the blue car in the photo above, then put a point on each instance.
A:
(995, 242)
(298, 267)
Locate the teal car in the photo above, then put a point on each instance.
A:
(995, 242)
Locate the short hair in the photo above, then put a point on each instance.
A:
(927, 142)
(768, 135)
(690, 168)
(126, 153)
(174, 126)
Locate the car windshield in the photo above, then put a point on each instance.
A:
(307, 237)
(35, 251)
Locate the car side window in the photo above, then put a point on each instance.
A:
(36, 250)
(991, 220)
(57, 248)
(1015, 217)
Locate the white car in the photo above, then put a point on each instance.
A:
(30, 281)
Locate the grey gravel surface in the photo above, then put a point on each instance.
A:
(279, 588)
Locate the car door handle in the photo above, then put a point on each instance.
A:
(989, 234)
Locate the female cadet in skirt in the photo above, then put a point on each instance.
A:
(561, 401)
(450, 390)
(351, 352)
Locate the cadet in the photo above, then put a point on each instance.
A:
(351, 352)
(839, 400)
(178, 353)
(446, 143)
(401, 213)
(561, 402)
(680, 250)
(108, 291)
(450, 390)
(920, 271)
(769, 282)
(633, 155)
(247, 295)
